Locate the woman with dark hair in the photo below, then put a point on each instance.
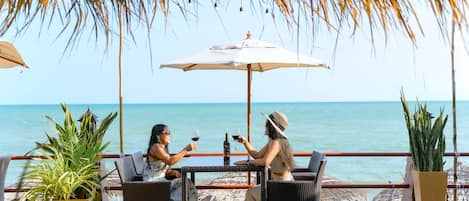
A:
(277, 153)
(159, 162)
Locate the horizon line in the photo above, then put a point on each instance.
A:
(257, 102)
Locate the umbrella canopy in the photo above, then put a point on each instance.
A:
(262, 56)
(9, 56)
(250, 55)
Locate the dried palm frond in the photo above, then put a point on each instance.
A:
(102, 15)
(77, 16)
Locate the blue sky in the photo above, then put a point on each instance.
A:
(89, 74)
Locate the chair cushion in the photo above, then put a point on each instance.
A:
(137, 159)
(315, 161)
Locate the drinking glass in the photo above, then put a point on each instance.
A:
(195, 136)
(235, 136)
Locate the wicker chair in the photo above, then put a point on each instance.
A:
(310, 172)
(302, 190)
(140, 190)
(4, 161)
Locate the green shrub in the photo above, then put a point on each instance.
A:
(70, 168)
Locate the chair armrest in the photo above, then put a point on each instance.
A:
(304, 175)
(144, 183)
(178, 169)
(301, 170)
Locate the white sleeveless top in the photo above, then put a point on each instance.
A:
(155, 171)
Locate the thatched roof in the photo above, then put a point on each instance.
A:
(101, 18)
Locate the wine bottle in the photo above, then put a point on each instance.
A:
(226, 150)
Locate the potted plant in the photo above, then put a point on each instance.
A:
(427, 146)
(70, 167)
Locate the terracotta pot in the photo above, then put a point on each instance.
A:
(430, 186)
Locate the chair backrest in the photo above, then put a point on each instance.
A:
(4, 161)
(125, 168)
(320, 174)
(146, 191)
(134, 190)
(299, 190)
(137, 158)
(291, 190)
(315, 161)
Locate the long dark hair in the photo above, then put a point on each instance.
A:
(155, 138)
(286, 153)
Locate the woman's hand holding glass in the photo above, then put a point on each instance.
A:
(191, 147)
(241, 139)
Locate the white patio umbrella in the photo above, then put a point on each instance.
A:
(9, 56)
(249, 55)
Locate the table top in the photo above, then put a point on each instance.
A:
(216, 164)
(211, 161)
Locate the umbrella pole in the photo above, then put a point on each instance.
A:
(249, 113)
(249, 102)
(121, 137)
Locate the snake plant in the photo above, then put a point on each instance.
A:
(426, 137)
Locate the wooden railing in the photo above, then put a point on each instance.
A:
(296, 154)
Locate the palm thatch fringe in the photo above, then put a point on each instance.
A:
(102, 16)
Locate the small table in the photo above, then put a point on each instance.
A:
(216, 164)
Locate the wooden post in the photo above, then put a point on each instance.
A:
(121, 43)
(455, 144)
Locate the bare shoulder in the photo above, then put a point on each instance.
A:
(273, 143)
(158, 152)
(157, 148)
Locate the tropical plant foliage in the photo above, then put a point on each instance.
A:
(426, 138)
(69, 169)
(102, 16)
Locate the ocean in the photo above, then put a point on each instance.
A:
(334, 126)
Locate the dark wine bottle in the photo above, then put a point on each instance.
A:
(226, 150)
